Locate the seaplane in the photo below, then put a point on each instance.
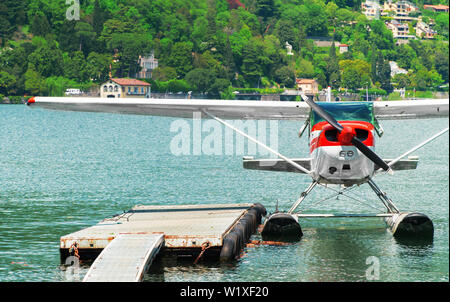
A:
(342, 153)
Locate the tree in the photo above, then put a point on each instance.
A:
(405, 55)
(11, 15)
(33, 81)
(98, 17)
(98, 66)
(251, 61)
(76, 67)
(401, 80)
(381, 71)
(441, 63)
(305, 68)
(316, 18)
(265, 8)
(199, 33)
(200, 79)
(7, 82)
(40, 25)
(175, 85)
(332, 69)
(181, 58)
(129, 46)
(47, 58)
(285, 76)
(164, 73)
(218, 87)
(355, 73)
(85, 34)
(286, 32)
(67, 39)
(331, 11)
(442, 24)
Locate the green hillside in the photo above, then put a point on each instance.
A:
(210, 46)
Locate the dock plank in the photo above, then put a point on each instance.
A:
(125, 259)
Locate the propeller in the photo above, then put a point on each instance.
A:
(347, 134)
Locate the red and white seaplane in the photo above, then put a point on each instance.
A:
(342, 145)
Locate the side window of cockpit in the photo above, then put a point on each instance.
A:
(331, 135)
(362, 134)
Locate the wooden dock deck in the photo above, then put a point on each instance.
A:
(185, 227)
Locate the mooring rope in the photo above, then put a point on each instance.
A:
(205, 246)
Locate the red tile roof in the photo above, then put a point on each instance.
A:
(305, 81)
(439, 6)
(130, 82)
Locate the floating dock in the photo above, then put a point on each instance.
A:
(186, 230)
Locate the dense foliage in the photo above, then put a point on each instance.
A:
(209, 46)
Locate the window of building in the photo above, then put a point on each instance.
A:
(116, 88)
(105, 88)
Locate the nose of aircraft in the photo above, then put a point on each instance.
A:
(346, 135)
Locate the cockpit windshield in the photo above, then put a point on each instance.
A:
(347, 111)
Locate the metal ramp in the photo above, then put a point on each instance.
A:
(125, 259)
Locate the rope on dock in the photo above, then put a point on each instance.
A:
(205, 246)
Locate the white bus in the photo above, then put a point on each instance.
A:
(73, 91)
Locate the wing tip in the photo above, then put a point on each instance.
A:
(31, 101)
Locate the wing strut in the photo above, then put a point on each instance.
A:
(294, 164)
(415, 148)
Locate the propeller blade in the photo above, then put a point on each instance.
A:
(370, 154)
(325, 115)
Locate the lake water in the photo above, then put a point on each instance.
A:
(64, 171)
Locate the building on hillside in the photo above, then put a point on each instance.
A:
(371, 9)
(308, 86)
(400, 8)
(399, 30)
(125, 88)
(343, 48)
(424, 31)
(147, 64)
(437, 8)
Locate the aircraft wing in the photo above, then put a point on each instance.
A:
(231, 109)
(227, 109)
(411, 109)
(275, 164)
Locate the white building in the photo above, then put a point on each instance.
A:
(395, 69)
(125, 88)
(371, 9)
(399, 30)
(147, 64)
(400, 8)
(343, 48)
(424, 31)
